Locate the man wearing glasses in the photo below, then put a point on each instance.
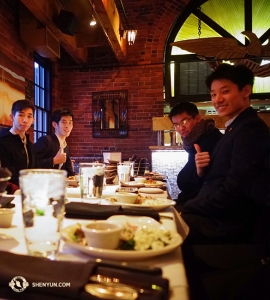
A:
(193, 130)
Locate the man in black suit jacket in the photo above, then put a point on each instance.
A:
(52, 150)
(223, 210)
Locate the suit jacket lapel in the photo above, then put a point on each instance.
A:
(238, 120)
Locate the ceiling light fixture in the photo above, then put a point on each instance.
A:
(93, 21)
(129, 32)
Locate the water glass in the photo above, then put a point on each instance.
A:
(131, 164)
(43, 207)
(91, 180)
(123, 171)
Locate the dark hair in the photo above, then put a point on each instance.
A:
(188, 107)
(20, 105)
(240, 75)
(61, 112)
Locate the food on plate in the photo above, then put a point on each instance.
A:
(78, 236)
(149, 200)
(111, 199)
(71, 178)
(143, 200)
(138, 238)
(150, 181)
(145, 238)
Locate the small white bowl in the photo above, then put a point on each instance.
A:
(125, 197)
(139, 179)
(102, 234)
(6, 216)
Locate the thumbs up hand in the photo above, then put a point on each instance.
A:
(202, 160)
(60, 157)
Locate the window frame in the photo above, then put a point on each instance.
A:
(42, 96)
(192, 8)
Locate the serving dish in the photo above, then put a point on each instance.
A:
(67, 233)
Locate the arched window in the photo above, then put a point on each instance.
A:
(185, 72)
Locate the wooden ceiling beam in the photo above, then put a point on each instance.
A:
(45, 11)
(106, 32)
(109, 19)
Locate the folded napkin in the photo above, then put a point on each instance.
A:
(80, 210)
(36, 272)
(5, 201)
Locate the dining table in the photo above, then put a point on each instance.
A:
(171, 264)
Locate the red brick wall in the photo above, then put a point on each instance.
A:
(142, 76)
(13, 48)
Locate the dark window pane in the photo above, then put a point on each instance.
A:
(42, 78)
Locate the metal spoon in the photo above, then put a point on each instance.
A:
(115, 291)
(114, 281)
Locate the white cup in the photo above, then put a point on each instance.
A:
(6, 216)
(102, 234)
(43, 198)
(123, 171)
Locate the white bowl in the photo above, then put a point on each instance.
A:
(6, 216)
(139, 179)
(103, 234)
(125, 197)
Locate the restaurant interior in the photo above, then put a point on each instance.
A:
(120, 66)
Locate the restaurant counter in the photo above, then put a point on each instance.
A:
(12, 240)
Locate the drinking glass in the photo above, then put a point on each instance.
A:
(123, 171)
(131, 164)
(91, 179)
(43, 198)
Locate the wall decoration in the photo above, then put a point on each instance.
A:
(109, 111)
(12, 87)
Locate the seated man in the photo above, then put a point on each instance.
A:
(52, 150)
(193, 129)
(223, 210)
(16, 149)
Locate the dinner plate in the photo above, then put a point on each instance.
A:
(132, 184)
(149, 190)
(155, 184)
(67, 232)
(162, 204)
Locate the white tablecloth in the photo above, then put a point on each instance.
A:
(11, 239)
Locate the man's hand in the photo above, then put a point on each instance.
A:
(60, 157)
(202, 160)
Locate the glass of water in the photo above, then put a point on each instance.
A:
(43, 198)
(91, 180)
